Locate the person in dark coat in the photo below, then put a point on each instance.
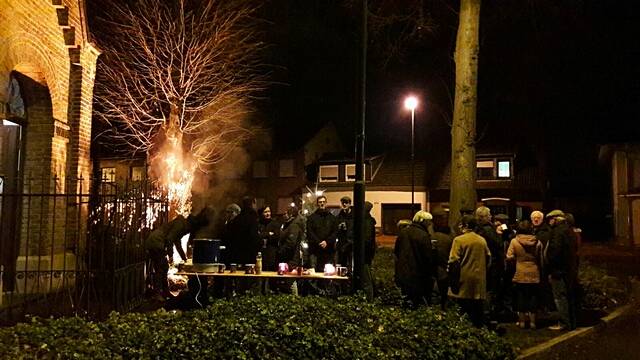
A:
(322, 229)
(290, 237)
(542, 232)
(562, 268)
(243, 234)
(415, 263)
(369, 235)
(441, 240)
(370, 247)
(269, 230)
(224, 230)
(344, 245)
(495, 271)
(160, 243)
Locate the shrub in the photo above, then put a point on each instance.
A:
(600, 290)
(261, 327)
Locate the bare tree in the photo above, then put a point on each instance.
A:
(181, 72)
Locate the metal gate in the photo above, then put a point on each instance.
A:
(75, 246)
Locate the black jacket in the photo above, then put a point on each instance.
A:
(322, 226)
(243, 238)
(345, 232)
(269, 243)
(442, 240)
(561, 253)
(414, 258)
(494, 242)
(290, 237)
(369, 237)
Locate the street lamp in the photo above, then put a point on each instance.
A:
(411, 103)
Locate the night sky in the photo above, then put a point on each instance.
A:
(554, 77)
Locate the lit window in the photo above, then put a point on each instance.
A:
(350, 172)
(504, 169)
(286, 168)
(329, 173)
(485, 169)
(108, 174)
(260, 169)
(137, 173)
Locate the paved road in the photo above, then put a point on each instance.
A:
(618, 341)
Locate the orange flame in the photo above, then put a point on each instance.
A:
(176, 177)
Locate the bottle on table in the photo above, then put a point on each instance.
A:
(259, 263)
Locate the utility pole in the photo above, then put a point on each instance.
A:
(359, 186)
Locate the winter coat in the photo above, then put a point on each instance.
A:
(322, 226)
(561, 254)
(344, 246)
(369, 237)
(243, 244)
(269, 243)
(441, 241)
(415, 263)
(526, 251)
(471, 252)
(290, 237)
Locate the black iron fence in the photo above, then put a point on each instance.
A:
(74, 246)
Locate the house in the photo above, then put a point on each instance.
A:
(510, 182)
(278, 176)
(623, 162)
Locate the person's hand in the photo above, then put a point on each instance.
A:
(270, 233)
(323, 244)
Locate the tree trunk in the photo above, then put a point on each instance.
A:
(463, 131)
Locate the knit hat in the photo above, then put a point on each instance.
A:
(555, 213)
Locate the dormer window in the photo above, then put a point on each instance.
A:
(494, 169)
(350, 172)
(328, 173)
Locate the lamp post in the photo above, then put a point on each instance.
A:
(411, 103)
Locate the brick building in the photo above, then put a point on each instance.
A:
(47, 69)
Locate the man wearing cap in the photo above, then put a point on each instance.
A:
(344, 245)
(415, 263)
(561, 267)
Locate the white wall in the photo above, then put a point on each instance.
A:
(380, 197)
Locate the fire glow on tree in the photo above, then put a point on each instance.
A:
(175, 83)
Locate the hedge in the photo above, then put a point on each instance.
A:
(275, 327)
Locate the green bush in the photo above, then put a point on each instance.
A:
(274, 327)
(383, 270)
(600, 290)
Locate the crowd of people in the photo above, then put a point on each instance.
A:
(490, 268)
(485, 265)
(307, 242)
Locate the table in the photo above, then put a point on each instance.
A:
(263, 275)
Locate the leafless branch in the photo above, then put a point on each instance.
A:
(181, 66)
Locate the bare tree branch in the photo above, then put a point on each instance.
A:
(179, 68)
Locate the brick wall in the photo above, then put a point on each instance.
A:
(45, 44)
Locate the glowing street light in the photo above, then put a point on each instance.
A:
(411, 103)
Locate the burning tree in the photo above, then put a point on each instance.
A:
(176, 82)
